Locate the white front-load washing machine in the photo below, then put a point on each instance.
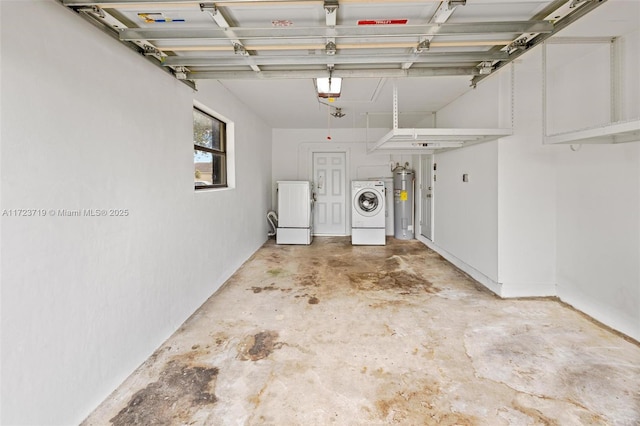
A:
(368, 212)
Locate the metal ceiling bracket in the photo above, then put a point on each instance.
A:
(330, 48)
(239, 49)
(338, 113)
(330, 6)
(442, 15)
(453, 3)
(150, 51)
(519, 44)
(180, 73)
(423, 46)
(92, 9)
(330, 10)
(209, 7)
(485, 67)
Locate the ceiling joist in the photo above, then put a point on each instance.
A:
(195, 3)
(320, 46)
(344, 31)
(357, 73)
(432, 58)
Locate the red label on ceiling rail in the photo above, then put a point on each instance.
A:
(383, 22)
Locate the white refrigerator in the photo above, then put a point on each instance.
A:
(295, 212)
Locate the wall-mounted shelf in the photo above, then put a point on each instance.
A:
(430, 139)
(623, 125)
(620, 132)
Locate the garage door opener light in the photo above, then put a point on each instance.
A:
(329, 87)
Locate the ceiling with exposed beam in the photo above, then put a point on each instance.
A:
(267, 52)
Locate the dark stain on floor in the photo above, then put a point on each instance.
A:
(270, 287)
(402, 281)
(339, 263)
(179, 392)
(535, 415)
(392, 263)
(258, 346)
(313, 299)
(415, 406)
(309, 279)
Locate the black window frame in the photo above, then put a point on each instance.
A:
(219, 153)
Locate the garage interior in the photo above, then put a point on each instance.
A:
(517, 302)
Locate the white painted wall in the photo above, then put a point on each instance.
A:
(292, 153)
(87, 124)
(518, 207)
(598, 239)
(526, 191)
(598, 202)
(568, 222)
(466, 213)
(564, 92)
(629, 87)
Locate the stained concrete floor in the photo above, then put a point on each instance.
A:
(335, 334)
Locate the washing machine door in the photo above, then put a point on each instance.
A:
(368, 202)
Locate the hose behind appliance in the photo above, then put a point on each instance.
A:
(272, 218)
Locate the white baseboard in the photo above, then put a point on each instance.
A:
(492, 285)
(606, 315)
(528, 290)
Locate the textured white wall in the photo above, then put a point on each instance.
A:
(526, 190)
(466, 213)
(598, 200)
(598, 240)
(87, 124)
(517, 209)
(568, 222)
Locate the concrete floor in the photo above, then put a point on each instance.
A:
(336, 334)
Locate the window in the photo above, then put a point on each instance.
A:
(209, 151)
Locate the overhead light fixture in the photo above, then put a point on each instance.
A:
(329, 87)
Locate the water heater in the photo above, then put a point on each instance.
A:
(403, 203)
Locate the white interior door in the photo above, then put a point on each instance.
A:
(330, 183)
(426, 195)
